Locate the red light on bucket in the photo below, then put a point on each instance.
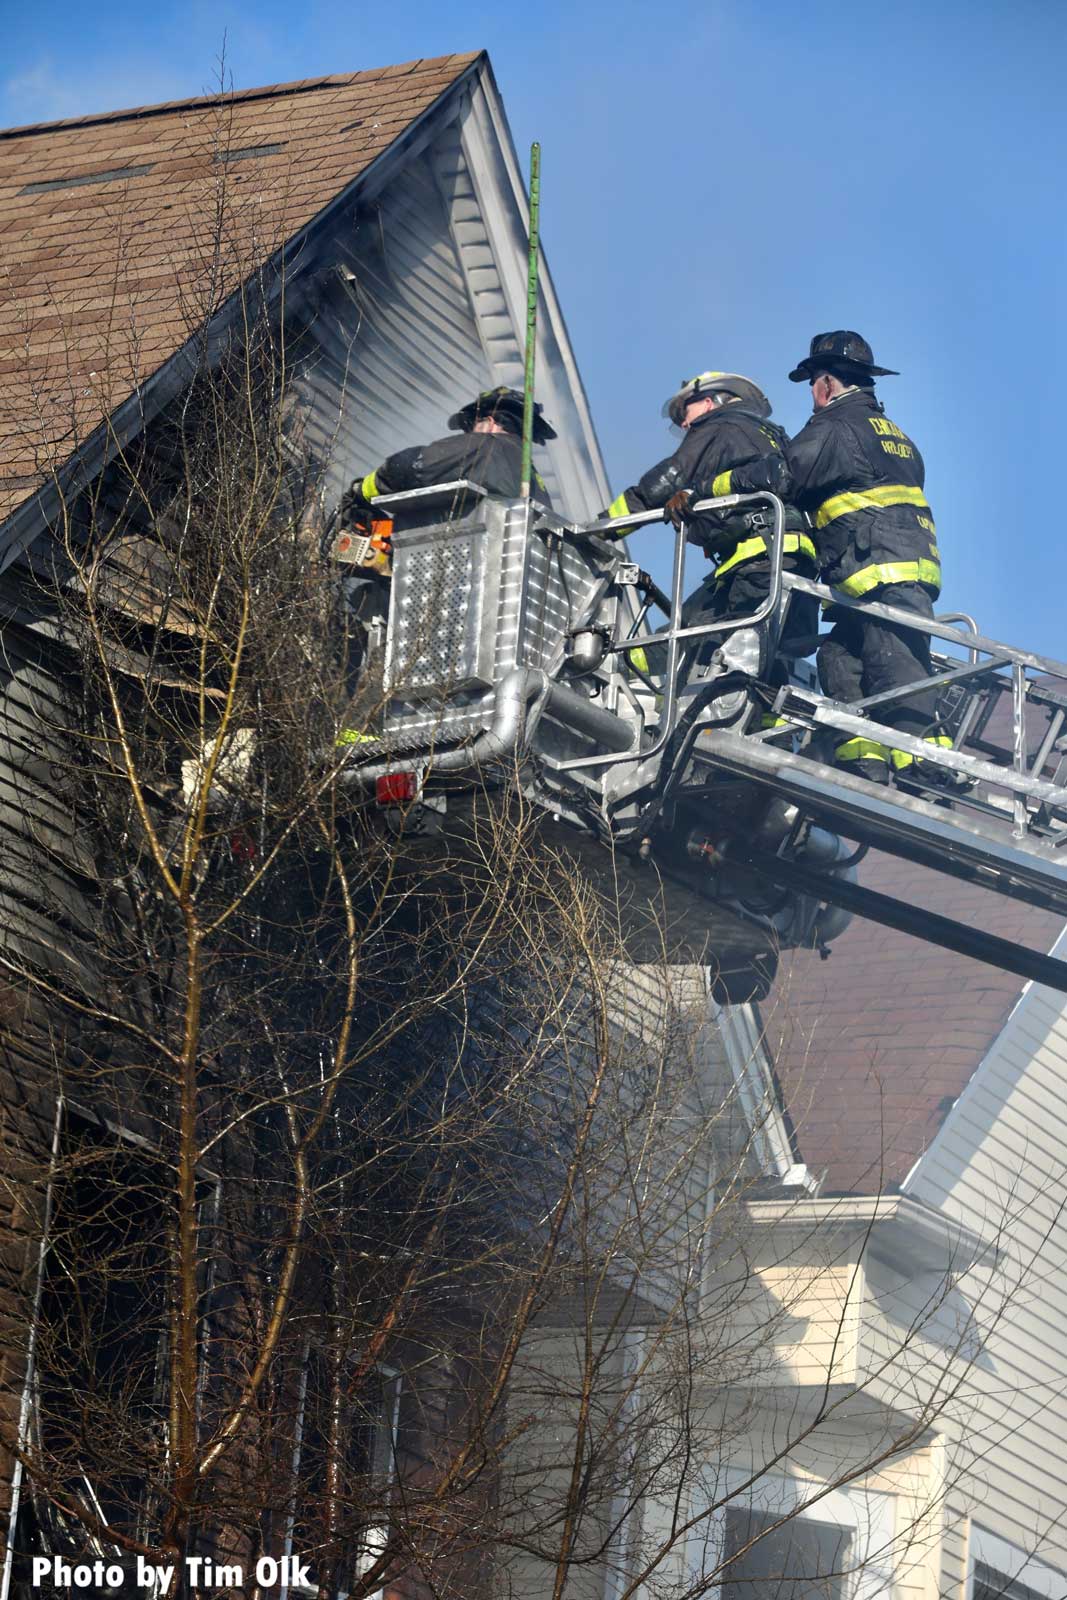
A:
(396, 788)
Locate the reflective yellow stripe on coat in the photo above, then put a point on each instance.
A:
(758, 547)
(904, 758)
(369, 487)
(868, 578)
(886, 494)
(861, 750)
(618, 508)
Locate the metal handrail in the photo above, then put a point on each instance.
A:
(1000, 656)
(1022, 784)
(939, 629)
(673, 635)
(985, 659)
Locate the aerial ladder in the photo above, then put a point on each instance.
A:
(517, 649)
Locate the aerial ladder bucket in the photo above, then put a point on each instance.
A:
(519, 648)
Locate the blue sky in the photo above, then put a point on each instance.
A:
(721, 179)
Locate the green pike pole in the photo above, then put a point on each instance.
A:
(531, 321)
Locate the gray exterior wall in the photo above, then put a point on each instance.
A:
(410, 316)
(408, 303)
(998, 1165)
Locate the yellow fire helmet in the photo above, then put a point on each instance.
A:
(714, 383)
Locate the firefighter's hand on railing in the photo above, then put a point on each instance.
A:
(676, 510)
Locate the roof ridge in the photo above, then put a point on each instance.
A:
(268, 91)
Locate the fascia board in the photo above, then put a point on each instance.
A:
(498, 183)
(894, 1228)
(34, 515)
(748, 1055)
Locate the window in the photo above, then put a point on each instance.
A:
(989, 1584)
(801, 1559)
(1002, 1571)
(790, 1539)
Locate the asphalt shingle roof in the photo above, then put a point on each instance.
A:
(874, 1045)
(107, 228)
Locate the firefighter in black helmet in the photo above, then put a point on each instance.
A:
(861, 480)
(730, 447)
(484, 447)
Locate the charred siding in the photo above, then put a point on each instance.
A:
(395, 343)
(48, 899)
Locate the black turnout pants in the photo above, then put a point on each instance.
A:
(862, 656)
(742, 593)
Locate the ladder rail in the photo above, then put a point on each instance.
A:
(941, 628)
(937, 681)
(841, 715)
(1047, 665)
(987, 659)
(971, 847)
(1019, 778)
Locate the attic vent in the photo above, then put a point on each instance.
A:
(250, 150)
(113, 175)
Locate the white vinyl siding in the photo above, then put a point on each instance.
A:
(411, 310)
(998, 1164)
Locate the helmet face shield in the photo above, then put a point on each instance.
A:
(707, 383)
(674, 408)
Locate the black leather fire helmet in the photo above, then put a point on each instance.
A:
(846, 355)
(505, 405)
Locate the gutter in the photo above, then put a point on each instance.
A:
(899, 1231)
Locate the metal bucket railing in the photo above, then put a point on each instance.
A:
(990, 668)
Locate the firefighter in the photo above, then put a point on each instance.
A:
(485, 447)
(861, 479)
(729, 447)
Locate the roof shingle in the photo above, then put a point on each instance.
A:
(873, 1046)
(101, 282)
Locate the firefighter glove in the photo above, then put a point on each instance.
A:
(677, 508)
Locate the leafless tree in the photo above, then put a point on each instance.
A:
(378, 1213)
